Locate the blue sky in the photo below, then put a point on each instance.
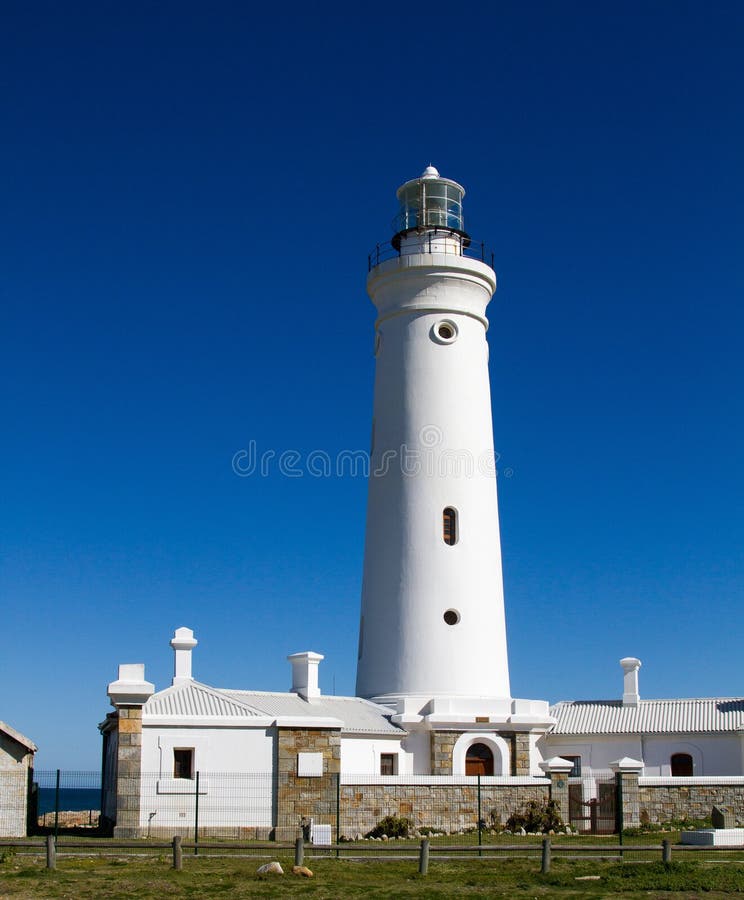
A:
(189, 192)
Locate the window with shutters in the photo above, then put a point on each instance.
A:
(449, 526)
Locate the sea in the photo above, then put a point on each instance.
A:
(70, 799)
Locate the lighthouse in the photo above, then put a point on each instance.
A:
(432, 634)
(432, 616)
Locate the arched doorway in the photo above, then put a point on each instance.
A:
(479, 760)
(681, 765)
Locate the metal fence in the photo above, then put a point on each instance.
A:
(253, 806)
(343, 814)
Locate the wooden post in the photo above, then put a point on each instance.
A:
(424, 857)
(666, 851)
(51, 848)
(299, 851)
(545, 864)
(177, 853)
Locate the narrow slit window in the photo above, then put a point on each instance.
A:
(449, 526)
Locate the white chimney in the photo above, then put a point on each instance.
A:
(130, 689)
(630, 665)
(305, 673)
(183, 643)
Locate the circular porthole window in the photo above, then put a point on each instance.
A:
(444, 332)
(451, 617)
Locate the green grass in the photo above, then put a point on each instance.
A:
(151, 878)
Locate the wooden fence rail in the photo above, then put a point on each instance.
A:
(546, 851)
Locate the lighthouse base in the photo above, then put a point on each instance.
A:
(443, 730)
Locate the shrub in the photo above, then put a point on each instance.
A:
(536, 816)
(649, 827)
(391, 826)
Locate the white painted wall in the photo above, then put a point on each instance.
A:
(235, 777)
(713, 754)
(432, 399)
(216, 749)
(361, 755)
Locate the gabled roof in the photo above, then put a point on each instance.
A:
(698, 715)
(194, 700)
(18, 737)
(357, 715)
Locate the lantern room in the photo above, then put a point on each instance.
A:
(429, 202)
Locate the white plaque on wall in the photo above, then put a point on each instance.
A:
(310, 764)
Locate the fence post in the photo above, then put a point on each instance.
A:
(196, 817)
(299, 851)
(338, 810)
(666, 851)
(545, 863)
(56, 807)
(424, 857)
(480, 817)
(51, 852)
(177, 853)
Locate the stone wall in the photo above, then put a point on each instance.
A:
(301, 797)
(692, 801)
(447, 807)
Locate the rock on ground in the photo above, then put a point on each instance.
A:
(302, 870)
(272, 868)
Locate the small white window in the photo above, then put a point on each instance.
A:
(388, 764)
(183, 762)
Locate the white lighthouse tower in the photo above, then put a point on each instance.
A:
(432, 638)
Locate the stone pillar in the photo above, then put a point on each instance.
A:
(627, 772)
(442, 748)
(521, 753)
(308, 769)
(129, 694)
(557, 770)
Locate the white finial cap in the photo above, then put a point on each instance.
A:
(430, 172)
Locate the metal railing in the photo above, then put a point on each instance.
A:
(456, 243)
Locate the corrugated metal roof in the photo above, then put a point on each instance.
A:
(704, 714)
(357, 715)
(194, 699)
(200, 700)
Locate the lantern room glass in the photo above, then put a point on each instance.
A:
(430, 203)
